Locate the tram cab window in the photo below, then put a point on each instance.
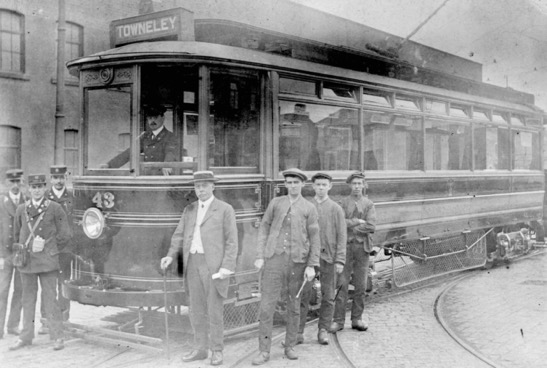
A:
(108, 116)
(447, 145)
(526, 154)
(392, 141)
(234, 126)
(491, 147)
(317, 137)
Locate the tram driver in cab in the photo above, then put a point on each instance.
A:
(157, 143)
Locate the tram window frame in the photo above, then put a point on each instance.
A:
(436, 107)
(352, 92)
(458, 145)
(297, 81)
(459, 111)
(517, 120)
(535, 154)
(376, 97)
(499, 118)
(408, 103)
(481, 115)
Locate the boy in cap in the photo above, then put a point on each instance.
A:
(207, 238)
(59, 193)
(288, 249)
(361, 222)
(333, 235)
(8, 205)
(41, 227)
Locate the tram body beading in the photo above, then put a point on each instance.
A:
(247, 115)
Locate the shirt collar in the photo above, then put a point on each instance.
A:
(15, 197)
(319, 200)
(207, 203)
(37, 203)
(291, 201)
(58, 193)
(158, 131)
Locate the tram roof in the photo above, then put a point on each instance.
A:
(175, 51)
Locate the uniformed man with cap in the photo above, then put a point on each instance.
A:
(288, 250)
(333, 234)
(59, 193)
(41, 227)
(207, 238)
(8, 205)
(361, 222)
(157, 143)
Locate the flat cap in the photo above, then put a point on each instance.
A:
(36, 179)
(154, 110)
(296, 173)
(58, 170)
(355, 175)
(204, 176)
(14, 174)
(321, 175)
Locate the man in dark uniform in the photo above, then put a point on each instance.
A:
(8, 205)
(157, 144)
(42, 228)
(361, 222)
(59, 193)
(288, 249)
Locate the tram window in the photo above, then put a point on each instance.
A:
(491, 148)
(459, 111)
(498, 118)
(108, 119)
(297, 87)
(407, 103)
(517, 120)
(317, 137)
(480, 115)
(435, 107)
(376, 97)
(332, 91)
(234, 130)
(392, 142)
(525, 150)
(447, 146)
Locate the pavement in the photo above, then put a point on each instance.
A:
(480, 318)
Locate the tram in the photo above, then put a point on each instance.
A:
(450, 161)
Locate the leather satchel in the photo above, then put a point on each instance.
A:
(20, 255)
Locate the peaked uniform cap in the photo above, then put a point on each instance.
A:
(14, 174)
(36, 179)
(58, 170)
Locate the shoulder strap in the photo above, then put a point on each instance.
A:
(32, 228)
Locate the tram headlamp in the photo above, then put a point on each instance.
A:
(93, 223)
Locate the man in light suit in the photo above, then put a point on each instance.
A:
(207, 237)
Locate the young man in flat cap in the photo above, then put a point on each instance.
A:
(207, 238)
(288, 249)
(333, 235)
(8, 205)
(59, 193)
(42, 228)
(157, 143)
(361, 222)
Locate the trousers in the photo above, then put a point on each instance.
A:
(7, 273)
(65, 260)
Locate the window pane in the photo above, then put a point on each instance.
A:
(408, 103)
(339, 92)
(526, 150)
(10, 148)
(234, 139)
(6, 61)
(517, 120)
(375, 97)
(298, 87)
(16, 43)
(435, 107)
(6, 41)
(316, 137)
(448, 146)
(480, 115)
(392, 142)
(498, 118)
(108, 116)
(10, 41)
(459, 111)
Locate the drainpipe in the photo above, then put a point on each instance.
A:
(60, 92)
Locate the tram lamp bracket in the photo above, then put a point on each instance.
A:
(93, 223)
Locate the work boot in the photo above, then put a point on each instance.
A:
(335, 327)
(322, 337)
(43, 330)
(290, 354)
(195, 354)
(216, 357)
(261, 358)
(358, 325)
(59, 344)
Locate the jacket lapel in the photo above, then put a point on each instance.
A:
(212, 208)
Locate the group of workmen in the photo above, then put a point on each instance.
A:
(35, 244)
(297, 238)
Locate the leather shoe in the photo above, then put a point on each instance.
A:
(19, 344)
(299, 340)
(323, 337)
(290, 354)
(335, 327)
(13, 331)
(43, 330)
(195, 355)
(216, 358)
(359, 325)
(261, 358)
(59, 344)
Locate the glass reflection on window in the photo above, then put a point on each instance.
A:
(316, 137)
(447, 146)
(392, 142)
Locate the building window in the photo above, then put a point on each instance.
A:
(10, 148)
(74, 41)
(71, 150)
(11, 42)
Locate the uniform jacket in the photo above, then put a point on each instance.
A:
(7, 218)
(218, 232)
(367, 212)
(67, 203)
(305, 242)
(162, 148)
(53, 228)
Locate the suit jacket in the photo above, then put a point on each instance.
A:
(53, 228)
(67, 203)
(7, 218)
(218, 235)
